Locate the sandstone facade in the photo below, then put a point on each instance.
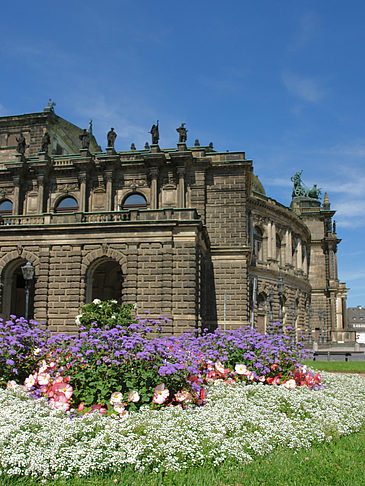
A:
(186, 233)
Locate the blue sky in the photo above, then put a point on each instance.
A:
(281, 80)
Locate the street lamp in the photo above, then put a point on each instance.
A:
(28, 274)
(271, 301)
(322, 324)
(280, 292)
(310, 315)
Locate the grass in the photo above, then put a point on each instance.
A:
(338, 463)
(346, 366)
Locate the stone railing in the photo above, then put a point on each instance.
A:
(132, 215)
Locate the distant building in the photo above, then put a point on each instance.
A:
(356, 319)
(185, 232)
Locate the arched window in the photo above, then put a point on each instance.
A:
(278, 250)
(67, 205)
(257, 243)
(104, 281)
(6, 207)
(135, 201)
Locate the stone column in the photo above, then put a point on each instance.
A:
(305, 259)
(288, 248)
(82, 180)
(299, 255)
(16, 205)
(181, 187)
(335, 265)
(273, 240)
(40, 180)
(269, 240)
(109, 190)
(154, 187)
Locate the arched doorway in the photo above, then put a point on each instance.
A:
(104, 281)
(14, 291)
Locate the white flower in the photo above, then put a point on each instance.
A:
(77, 320)
(114, 301)
(96, 301)
(117, 397)
(119, 408)
(290, 384)
(133, 397)
(37, 351)
(241, 369)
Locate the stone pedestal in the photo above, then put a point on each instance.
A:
(110, 151)
(181, 146)
(155, 148)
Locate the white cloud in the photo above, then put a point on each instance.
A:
(307, 88)
(307, 30)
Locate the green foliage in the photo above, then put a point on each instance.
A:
(94, 382)
(105, 314)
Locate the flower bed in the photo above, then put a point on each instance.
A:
(236, 424)
(161, 402)
(118, 364)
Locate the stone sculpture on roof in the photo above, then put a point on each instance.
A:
(111, 137)
(182, 133)
(155, 134)
(21, 146)
(300, 191)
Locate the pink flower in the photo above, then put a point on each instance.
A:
(318, 379)
(81, 407)
(219, 367)
(251, 376)
(276, 380)
(64, 388)
(262, 378)
(274, 366)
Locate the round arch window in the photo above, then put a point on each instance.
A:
(67, 205)
(135, 201)
(6, 207)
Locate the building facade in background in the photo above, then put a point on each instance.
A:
(186, 232)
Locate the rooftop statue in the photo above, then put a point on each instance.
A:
(300, 191)
(111, 137)
(85, 139)
(21, 146)
(51, 105)
(155, 134)
(182, 133)
(46, 140)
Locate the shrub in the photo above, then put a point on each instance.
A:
(105, 314)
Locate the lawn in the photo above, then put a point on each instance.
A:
(336, 366)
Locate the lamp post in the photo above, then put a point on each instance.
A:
(271, 301)
(28, 274)
(310, 315)
(280, 292)
(322, 317)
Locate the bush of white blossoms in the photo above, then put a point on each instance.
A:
(238, 423)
